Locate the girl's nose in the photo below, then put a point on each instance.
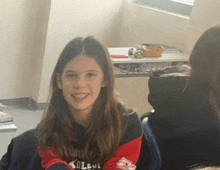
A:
(80, 82)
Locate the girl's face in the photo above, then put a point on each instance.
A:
(81, 83)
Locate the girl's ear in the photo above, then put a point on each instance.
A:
(104, 84)
(59, 84)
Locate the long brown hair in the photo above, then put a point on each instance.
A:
(205, 63)
(57, 128)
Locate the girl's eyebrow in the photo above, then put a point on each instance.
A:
(73, 71)
(93, 71)
(70, 71)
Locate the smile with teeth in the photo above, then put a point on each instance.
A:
(80, 95)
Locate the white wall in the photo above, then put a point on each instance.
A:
(40, 25)
(134, 92)
(23, 31)
(150, 25)
(69, 19)
(205, 14)
(15, 48)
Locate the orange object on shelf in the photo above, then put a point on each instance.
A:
(119, 56)
(152, 51)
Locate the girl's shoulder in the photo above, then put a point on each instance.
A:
(23, 147)
(26, 141)
(133, 129)
(26, 137)
(131, 116)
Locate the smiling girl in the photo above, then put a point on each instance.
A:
(85, 125)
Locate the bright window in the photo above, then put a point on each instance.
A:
(182, 7)
(188, 2)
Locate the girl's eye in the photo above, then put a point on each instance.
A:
(91, 75)
(72, 75)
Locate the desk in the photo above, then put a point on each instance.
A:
(132, 76)
(145, 65)
(166, 56)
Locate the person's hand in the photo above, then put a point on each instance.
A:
(50, 158)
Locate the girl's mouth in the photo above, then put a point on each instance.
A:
(80, 96)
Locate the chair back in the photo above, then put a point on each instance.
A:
(155, 156)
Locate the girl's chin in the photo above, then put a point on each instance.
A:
(80, 109)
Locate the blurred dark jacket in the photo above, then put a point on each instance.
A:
(185, 124)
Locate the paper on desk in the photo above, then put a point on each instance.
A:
(8, 128)
(5, 117)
